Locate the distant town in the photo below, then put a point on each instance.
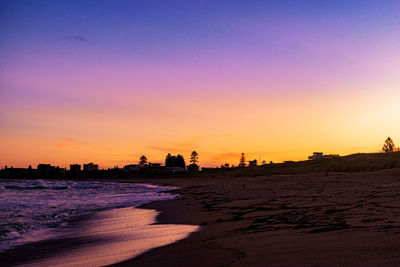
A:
(174, 165)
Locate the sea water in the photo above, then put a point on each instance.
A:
(29, 209)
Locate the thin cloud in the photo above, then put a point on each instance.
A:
(70, 142)
(186, 146)
(78, 38)
(169, 149)
(75, 140)
(66, 142)
(127, 155)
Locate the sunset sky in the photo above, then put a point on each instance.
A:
(108, 81)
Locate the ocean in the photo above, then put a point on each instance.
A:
(31, 209)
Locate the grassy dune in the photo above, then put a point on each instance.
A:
(361, 162)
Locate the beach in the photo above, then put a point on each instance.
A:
(317, 219)
(320, 219)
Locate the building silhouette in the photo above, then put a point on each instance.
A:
(252, 163)
(320, 155)
(90, 167)
(75, 169)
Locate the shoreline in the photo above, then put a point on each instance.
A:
(97, 239)
(190, 251)
(32, 210)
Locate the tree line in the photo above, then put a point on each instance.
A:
(176, 161)
(179, 160)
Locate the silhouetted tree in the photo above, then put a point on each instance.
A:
(388, 146)
(169, 160)
(194, 158)
(175, 161)
(264, 162)
(242, 162)
(143, 160)
(193, 168)
(180, 161)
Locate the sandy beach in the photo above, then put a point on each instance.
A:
(328, 219)
(318, 219)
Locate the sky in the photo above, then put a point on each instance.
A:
(108, 81)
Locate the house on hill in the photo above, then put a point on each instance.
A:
(320, 155)
(252, 163)
(131, 168)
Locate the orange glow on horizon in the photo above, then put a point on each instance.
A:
(219, 133)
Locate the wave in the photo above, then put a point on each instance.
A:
(15, 187)
(29, 206)
(30, 185)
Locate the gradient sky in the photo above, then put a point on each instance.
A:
(108, 81)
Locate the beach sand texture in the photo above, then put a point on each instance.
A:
(320, 219)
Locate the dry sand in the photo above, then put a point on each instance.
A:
(287, 220)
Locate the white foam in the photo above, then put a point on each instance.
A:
(38, 183)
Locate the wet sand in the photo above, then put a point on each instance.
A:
(336, 219)
(319, 219)
(99, 239)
